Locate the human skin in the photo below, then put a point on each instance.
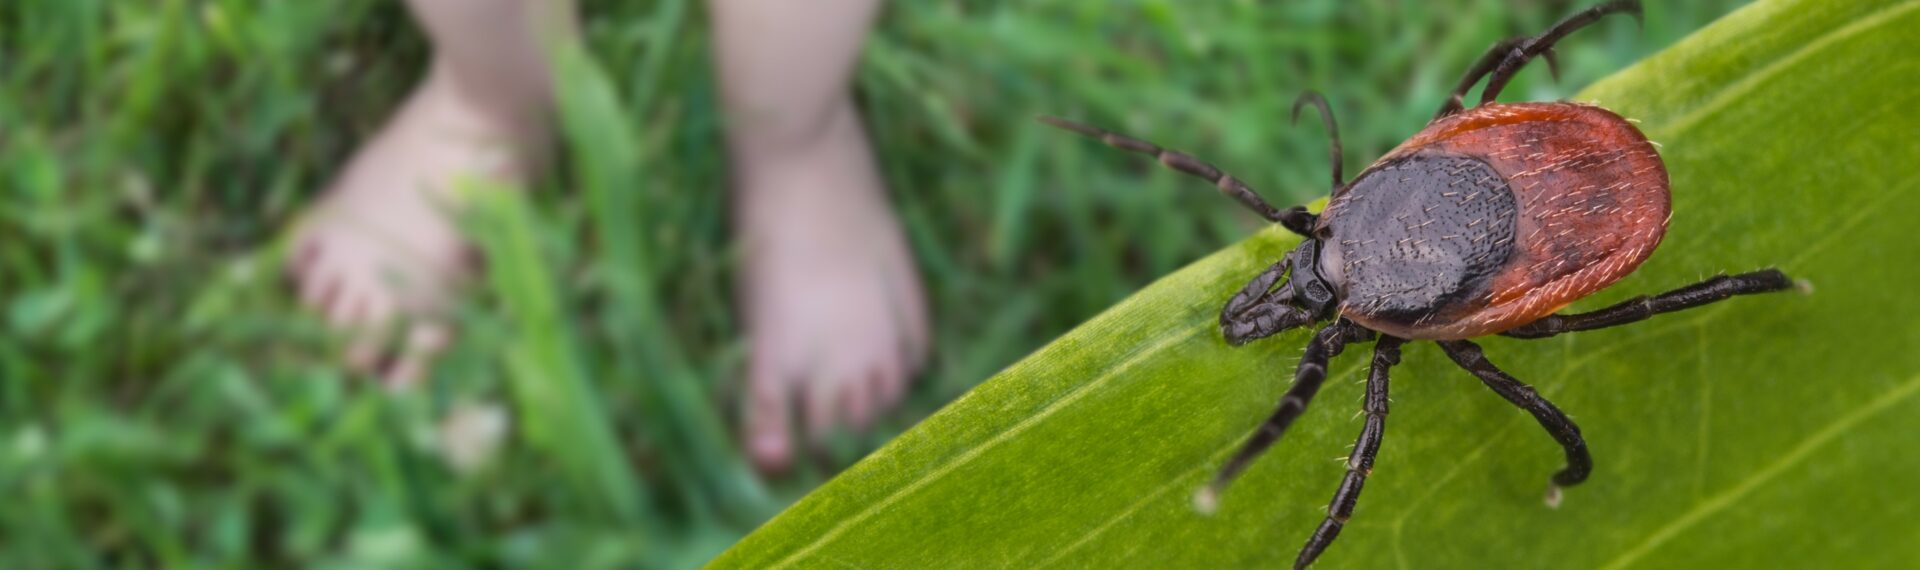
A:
(833, 306)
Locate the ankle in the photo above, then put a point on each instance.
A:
(499, 48)
(773, 138)
(520, 105)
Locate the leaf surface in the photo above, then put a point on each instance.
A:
(1770, 431)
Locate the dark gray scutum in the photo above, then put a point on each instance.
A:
(1420, 232)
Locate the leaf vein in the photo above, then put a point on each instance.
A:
(1213, 460)
(1073, 396)
(1795, 456)
(1752, 81)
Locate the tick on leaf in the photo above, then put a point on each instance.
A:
(1487, 221)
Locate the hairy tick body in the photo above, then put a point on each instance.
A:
(1488, 221)
(1493, 218)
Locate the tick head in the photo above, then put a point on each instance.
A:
(1268, 305)
(1311, 288)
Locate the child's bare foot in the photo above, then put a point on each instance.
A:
(835, 311)
(381, 255)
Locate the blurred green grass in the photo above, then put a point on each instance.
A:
(164, 402)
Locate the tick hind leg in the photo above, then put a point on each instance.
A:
(1359, 465)
(1717, 288)
(1507, 56)
(1579, 462)
(1307, 377)
(1296, 219)
(1456, 101)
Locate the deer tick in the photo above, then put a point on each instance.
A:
(1488, 221)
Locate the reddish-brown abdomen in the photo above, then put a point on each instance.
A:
(1592, 204)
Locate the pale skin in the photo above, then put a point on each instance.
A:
(834, 310)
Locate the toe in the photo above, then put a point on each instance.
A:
(424, 343)
(821, 397)
(767, 418)
(345, 306)
(910, 358)
(361, 317)
(317, 289)
(363, 351)
(887, 385)
(910, 309)
(305, 252)
(857, 401)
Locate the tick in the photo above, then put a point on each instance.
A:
(1488, 221)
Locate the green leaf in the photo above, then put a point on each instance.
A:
(559, 414)
(688, 433)
(1770, 431)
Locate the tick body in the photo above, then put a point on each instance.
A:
(1492, 218)
(1488, 221)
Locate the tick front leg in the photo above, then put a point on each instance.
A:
(1579, 462)
(1295, 219)
(1359, 465)
(1307, 377)
(1319, 101)
(1259, 311)
(1717, 288)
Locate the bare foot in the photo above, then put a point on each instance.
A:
(835, 312)
(381, 255)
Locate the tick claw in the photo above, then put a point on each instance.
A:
(1553, 496)
(1206, 501)
(1805, 287)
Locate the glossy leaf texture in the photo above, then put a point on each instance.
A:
(1769, 431)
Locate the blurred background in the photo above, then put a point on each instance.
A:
(165, 401)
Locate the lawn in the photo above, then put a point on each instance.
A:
(164, 401)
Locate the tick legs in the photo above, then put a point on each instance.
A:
(1259, 310)
(1359, 465)
(1307, 377)
(1507, 56)
(1717, 288)
(1296, 219)
(1579, 462)
(1480, 68)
